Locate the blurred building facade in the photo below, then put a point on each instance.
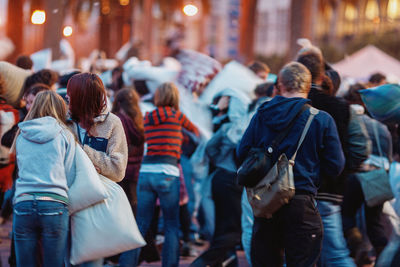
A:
(107, 24)
(333, 21)
(342, 18)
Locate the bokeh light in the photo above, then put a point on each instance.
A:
(67, 31)
(124, 2)
(190, 10)
(38, 17)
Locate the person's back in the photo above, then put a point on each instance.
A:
(159, 173)
(331, 191)
(354, 197)
(297, 222)
(45, 152)
(163, 133)
(44, 142)
(126, 107)
(273, 117)
(385, 138)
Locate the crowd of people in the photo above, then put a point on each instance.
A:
(181, 183)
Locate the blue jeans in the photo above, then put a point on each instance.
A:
(150, 187)
(391, 254)
(187, 169)
(93, 263)
(206, 213)
(334, 248)
(40, 220)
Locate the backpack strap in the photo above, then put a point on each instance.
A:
(78, 128)
(276, 142)
(378, 143)
(313, 112)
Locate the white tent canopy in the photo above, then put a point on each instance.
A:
(367, 61)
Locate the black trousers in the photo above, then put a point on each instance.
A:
(129, 187)
(227, 199)
(185, 221)
(294, 231)
(374, 218)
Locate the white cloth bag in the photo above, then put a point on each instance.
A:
(105, 229)
(87, 188)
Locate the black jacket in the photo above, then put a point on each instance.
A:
(332, 188)
(319, 153)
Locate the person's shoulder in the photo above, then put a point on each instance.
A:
(342, 101)
(323, 117)
(177, 115)
(113, 117)
(383, 127)
(68, 134)
(113, 121)
(341, 104)
(175, 112)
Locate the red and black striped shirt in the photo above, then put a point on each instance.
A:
(163, 133)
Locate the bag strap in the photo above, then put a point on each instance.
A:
(378, 143)
(276, 142)
(79, 134)
(313, 112)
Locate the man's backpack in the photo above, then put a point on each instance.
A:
(8, 118)
(276, 188)
(260, 160)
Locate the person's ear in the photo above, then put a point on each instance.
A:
(279, 87)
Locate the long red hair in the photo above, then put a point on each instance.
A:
(87, 98)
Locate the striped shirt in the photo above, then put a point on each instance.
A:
(163, 133)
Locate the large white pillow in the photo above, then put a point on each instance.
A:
(105, 229)
(87, 189)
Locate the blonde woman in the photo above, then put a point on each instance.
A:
(159, 173)
(45, 150)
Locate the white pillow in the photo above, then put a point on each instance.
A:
(105, 229)
(87, 189)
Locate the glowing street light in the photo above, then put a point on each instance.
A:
(38, 17)
(124, 2)
(67, 31)
(190, 10)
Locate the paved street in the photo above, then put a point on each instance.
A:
(5, 251)
(5, 243)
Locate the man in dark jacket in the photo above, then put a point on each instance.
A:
(296, 228)
(355, 144)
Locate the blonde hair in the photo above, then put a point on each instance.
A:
(48, 103)
(167, 94)
(295, 77)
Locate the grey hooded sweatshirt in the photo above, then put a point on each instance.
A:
(45, 156)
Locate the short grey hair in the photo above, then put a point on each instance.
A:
(295, 77)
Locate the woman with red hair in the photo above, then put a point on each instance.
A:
(100, 132)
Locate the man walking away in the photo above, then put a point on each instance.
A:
(296, 228)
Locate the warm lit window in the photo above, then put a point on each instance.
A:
(350, 12)
(372, 10)
(393, 9)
